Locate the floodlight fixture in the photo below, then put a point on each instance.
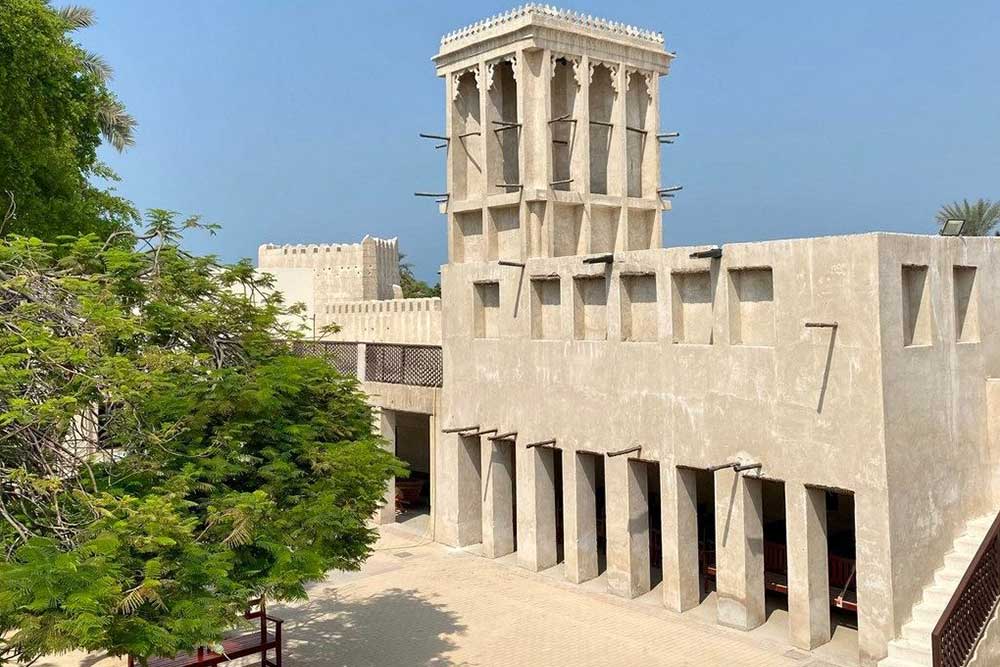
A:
(952, 227)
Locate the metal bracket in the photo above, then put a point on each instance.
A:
(822, 325)
(714, 253)
(540, 443)
(509, 435)
(607, 258)
(510, 262)
(460, 430)
(630, 450)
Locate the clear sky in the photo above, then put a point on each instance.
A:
(297, 122)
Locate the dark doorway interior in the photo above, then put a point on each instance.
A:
(841, 538)
(557, 479)
(413, 493)
(600, 507)
(655, 523)
(775, 545)
(705, 482)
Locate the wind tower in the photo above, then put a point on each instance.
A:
(552, 122)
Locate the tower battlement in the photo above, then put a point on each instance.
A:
(323, 273)
(533, 12)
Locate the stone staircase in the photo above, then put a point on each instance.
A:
(913, 647)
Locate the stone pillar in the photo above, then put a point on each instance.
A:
(498, 498)
(536, 509)
(739, 550)
(386, 426)
(628, 527)
(361, 362)
(432, 425)
(681, 576)
(580, 516)
(876, 618)
(459, 506)
(808, 576)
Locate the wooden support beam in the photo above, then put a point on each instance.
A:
(628, 450)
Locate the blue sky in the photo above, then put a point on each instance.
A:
(283, 121)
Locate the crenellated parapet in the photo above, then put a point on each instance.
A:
(320, 274)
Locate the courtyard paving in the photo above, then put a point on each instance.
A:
(420, 603)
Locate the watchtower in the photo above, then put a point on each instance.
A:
(552, 121)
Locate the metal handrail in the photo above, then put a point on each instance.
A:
(958, 631)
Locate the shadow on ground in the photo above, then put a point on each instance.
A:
(394, 627)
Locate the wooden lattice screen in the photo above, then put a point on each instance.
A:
(341, 355)
(418, 365)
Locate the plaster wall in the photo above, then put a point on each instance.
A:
(940, 465)
(802, 401)
(408, 321)
(333, 272)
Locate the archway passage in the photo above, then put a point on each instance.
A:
(413, 446)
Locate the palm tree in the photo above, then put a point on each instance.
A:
(117, 126)
(981, 216)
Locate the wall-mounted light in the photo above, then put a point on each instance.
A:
(952, 227)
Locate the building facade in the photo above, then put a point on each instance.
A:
(811, 421)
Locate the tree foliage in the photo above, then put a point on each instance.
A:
(413, 287)
(162, 459)
(55, 107)
(981, 216)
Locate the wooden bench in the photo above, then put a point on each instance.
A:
(258, 642)
(842, 573)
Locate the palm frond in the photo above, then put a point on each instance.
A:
(117, 126)
(76, 17)
(97, 66)
(980, 216)
(138, 596)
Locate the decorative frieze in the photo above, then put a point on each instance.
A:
(612, 68)
(490, 66)
(563, 15)
(648, 76)
(574, 62)
(456, 80)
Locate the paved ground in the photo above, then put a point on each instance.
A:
(418, 603)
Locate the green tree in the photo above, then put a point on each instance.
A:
(55, 107)
(413, 287)
(162, 458)
(981, 216)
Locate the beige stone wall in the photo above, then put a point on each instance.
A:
(753, 384)
(940, 464)
(410, 321)
(337, 272)
(700, 362)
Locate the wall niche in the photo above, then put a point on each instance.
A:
(486, 307)
(545, 307)
(966, 304)
(751, 306)
(692, 308)
(917, 318)
(639, 307)
(468, 241)
(590, 308)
